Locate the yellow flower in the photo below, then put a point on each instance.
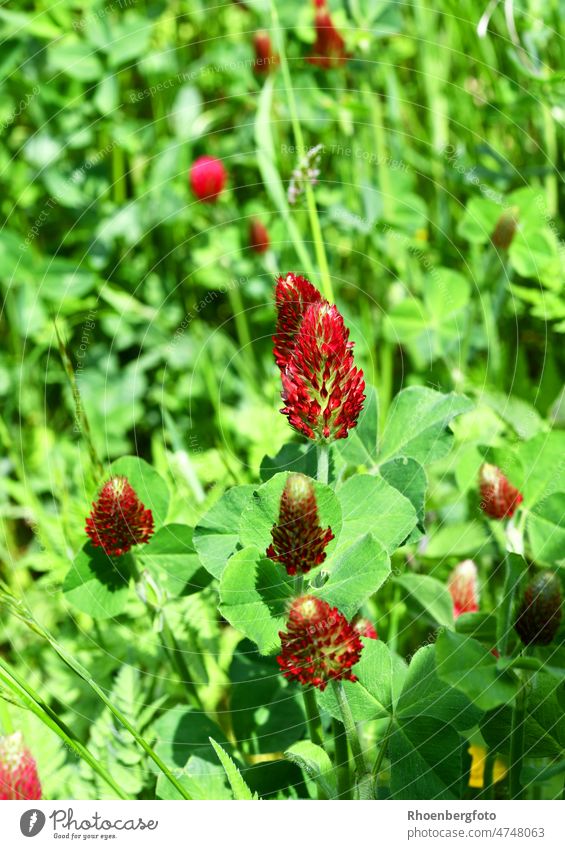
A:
(477, 772)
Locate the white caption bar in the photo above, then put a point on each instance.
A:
(280, 825)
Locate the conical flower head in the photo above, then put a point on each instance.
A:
(207, 178)
(265, 57)
(499, 499)
(319, 645)
(322, 388)
(299, 542)
(365, 628)
(463, 586)
(505, 230)
(18, 770)
(258, 237)
(329, 47)
(293, 295)
(118, 519)
(539, 613)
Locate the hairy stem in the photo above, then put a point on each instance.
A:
(323, 471)
(341, 755)
(382, 752)
(517, 737)
(313, 720)
(364, 779)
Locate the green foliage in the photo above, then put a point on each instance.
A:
(239, 788)
(315, 764)
(111, 743)
(467, 665)
(254, 596)
(216, 535)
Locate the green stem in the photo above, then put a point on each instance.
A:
(299, 139)
(298, 585)
(504, 618)
(176, 657)
(517, 737)
(386, 377)
(97, 467)
(242, 328)
(341, 756)
(5, 718)
(175, 654)
(382, 752)
(552, 154)
(323, 470)
(363, 775)
(312, 715)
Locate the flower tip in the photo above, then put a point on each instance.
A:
(463, 587)
(499, 499)
(365, 628)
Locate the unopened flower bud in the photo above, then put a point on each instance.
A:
(539, 613)
(499, 499)
(463, 586)
(299, 542)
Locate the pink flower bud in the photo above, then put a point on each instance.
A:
(18, 770)
(499, 499)
(207, 178)
(463, 586)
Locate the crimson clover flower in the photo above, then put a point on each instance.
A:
(539, 613)
(319, 645)
(18, 770)
(505, 229)
(499, 499)
(293, 295)
(329, 47)
(463, 586)
(258, 237)
(365, 628)
(321, 388)
(299, 542)
(207, 178)
(118, 519)
(265, 57)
